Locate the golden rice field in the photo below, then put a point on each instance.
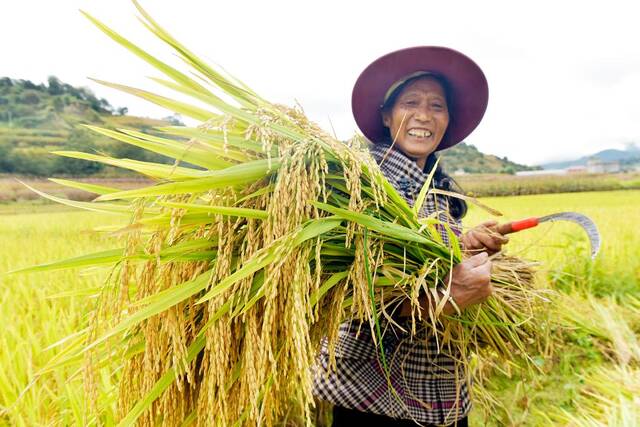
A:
(595, 321)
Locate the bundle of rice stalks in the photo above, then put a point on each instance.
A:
(259, 241)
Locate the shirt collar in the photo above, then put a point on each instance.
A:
(398, 167)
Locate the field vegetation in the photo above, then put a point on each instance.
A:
(594, 324)
(478, 185)
(485, 185)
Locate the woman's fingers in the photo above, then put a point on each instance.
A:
(491, 241)
(471, 280)
(484, 237)
(480, 267)
(483, 272)
(489, 224)
(472, 242)
(477, 260)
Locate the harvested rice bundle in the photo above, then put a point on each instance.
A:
(259, 241)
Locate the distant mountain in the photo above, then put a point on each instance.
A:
(628, 156)
(466, 157)
(38, 118)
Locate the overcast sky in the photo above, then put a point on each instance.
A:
(564, 76)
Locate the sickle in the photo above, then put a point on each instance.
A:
(583, 221)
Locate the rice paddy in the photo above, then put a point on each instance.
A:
(214, 312)
(596, 319)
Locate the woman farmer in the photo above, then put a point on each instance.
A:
(411, 103)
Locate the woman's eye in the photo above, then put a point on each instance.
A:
(411, 103)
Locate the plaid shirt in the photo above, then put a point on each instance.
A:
(430, 388)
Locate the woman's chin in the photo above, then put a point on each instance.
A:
(418, 150)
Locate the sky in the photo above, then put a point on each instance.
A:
(564, 76)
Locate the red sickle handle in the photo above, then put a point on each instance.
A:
(523, 224)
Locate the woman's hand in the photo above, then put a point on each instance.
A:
(484, 237)
(471, 281)
(470, 284)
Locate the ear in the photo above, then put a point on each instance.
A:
(386, 119)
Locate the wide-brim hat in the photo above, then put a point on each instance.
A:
(467, 89)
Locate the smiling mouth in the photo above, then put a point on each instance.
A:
(420, 133)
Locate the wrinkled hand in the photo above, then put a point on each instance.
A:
(471, 281)
(484, 237)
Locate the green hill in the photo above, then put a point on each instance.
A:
(37, 118)
(467, 158)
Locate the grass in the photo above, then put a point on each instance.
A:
(40, 309)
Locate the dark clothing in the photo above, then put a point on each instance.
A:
(344, 417)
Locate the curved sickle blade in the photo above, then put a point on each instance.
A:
(583, 221)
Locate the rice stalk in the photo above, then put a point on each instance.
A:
(604, 319)
(609, 397)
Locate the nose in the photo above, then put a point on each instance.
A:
(423, 114)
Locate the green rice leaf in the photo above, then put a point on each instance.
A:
(156, 63)
(260, 260)
(220, 210)
(374, 309)
(216, 138)
(97, 258)
(417, 207)
(333, 280)
(85, 186)
(240, 92)
(176, 106)
(153, 170)
(316, 227)
(256, 292)
(388, 229)
(235, 175)
(212, 100)
(264, 190)
(194, 146)
(268, 255)
(109, 208)
(173, 149)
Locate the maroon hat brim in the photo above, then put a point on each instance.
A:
(468, 91)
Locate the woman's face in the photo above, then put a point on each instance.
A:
(418, 119)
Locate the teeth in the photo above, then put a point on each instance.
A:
(420, 133)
